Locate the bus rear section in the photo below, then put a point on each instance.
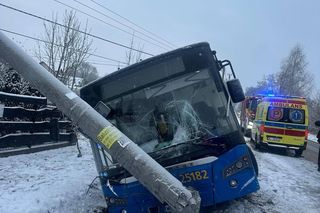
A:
(177, 108)
(282, 122)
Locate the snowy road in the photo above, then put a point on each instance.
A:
(56, 181)
(311, 153)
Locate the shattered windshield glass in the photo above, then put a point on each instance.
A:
(175, 111)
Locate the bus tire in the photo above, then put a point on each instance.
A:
(254, 161)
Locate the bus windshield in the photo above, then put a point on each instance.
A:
(185, 109)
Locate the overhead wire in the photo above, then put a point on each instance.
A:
(44, 41)
(103, 64)
(88, 61)
(119, 22)
(111, 25)
(131, 22)
(80, 31)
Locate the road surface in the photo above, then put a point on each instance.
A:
(311, 153)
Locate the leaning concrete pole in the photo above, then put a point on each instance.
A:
(154, 177)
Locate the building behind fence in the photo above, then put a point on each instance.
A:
(29, 124)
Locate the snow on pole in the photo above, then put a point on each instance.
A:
(149, 173)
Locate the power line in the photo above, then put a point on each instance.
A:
(104, 64)
(41, 40)
(80, 31)
(131, 22)
(118, 28)
(89, 61)
(97, 11)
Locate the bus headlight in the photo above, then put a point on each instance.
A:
(233, 183)
(113, 201)
(239, 165)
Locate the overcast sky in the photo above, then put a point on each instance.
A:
(255, 35)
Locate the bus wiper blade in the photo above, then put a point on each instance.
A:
(213, 142)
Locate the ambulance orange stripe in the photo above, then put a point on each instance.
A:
(295, 133)
(274, 130)
(284, 132)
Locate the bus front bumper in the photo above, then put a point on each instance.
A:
(219, 180)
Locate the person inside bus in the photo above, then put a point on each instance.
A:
(163, 124)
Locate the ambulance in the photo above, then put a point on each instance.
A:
(281, 121)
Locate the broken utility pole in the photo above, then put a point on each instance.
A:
(154, 177)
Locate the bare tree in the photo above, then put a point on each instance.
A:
(268, 85)
(66, 47)
(87, 72)
(294, 78)
(314, 112)
(131, 55)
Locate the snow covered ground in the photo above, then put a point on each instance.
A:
(288, 184)
(49, 181)
(57, 181)
(312, 137)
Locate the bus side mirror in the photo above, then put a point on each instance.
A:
(235, 90)
(317, 123)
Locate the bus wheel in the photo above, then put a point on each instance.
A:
(254, 161)
(298, 152)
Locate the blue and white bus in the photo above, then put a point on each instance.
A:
(177, 108)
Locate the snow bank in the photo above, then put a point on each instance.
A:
(49, 181)
(312, 137)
